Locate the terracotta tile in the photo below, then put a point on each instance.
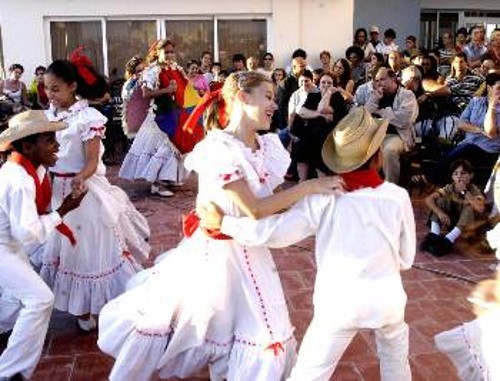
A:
(301, 320)
(419, 343)
(369, 371)
(449, 310)
(72, 343)
(445, 288)
(415, 314)
(345, 371)
(416, 290)
(292, 281)
(294, 262)
(308, 277)
(359, 349)
(95, 367)
(435, 366)
(300, 300)
(54, 368)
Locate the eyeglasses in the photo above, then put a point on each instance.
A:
(267, 59)
(169, 51)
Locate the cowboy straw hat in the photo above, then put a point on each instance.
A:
(354, 141)
(25, 124)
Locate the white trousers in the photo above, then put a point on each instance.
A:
(20, 281)
(323, 347)
(392, 148)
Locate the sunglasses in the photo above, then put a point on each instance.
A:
(169, 51)
(267, 59)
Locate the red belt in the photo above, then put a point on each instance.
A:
(191, 222)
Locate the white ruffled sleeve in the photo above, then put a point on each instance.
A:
(217, 160)
(277, 159)
(91, 124)
(150, 77)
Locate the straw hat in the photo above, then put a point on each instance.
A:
(354, 140)
(25, 124)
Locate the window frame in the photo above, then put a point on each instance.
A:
(161, 21)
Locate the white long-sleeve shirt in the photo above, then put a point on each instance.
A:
(401, 115)
(363, 240)
(20, 224)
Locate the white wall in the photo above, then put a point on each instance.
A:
(311, 24)
(403, 16)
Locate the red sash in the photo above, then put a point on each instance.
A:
(191, 222)
(367, 178)
(43, 192)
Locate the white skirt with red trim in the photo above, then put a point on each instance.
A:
(152, 156)
(202, 305)
(111, 243)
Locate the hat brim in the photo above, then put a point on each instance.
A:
(339, 164)
(11, 135)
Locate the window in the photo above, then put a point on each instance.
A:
(126, 39)
(67, 35)
(248, 37)
(191, 38)
(434, 24)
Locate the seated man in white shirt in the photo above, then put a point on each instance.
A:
(399, 106)
(364, 238)
(24, 198)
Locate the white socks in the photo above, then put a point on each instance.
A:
(454, 234)
(435, 228)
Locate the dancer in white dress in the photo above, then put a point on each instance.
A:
(111, 235)
(152, 156)
(211, 300)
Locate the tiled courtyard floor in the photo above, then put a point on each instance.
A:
(436, 302)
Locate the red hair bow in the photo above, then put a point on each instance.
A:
(83, 65)
(206, 101)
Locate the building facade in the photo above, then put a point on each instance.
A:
(34, 32)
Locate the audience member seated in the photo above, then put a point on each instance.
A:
(342, 79)
(461, 39)
(460, 86)
(13, 91)
(325, 59)
(363, 93)
(395, 62)
(494, 48)
(387, 45)
(355, 56)
(399, 106)
(411, 48)
(481, 145)
(315, 120)
(361, 41)
(476, 49)
(446, 53)
(459, 208)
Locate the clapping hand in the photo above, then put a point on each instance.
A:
(210, 216)
(78, 186)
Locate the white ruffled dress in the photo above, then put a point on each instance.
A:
(152, 156)
(208, 301)
(111, 235)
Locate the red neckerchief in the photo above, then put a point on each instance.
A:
(366, 178)
(43, 192)
(191, 222)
